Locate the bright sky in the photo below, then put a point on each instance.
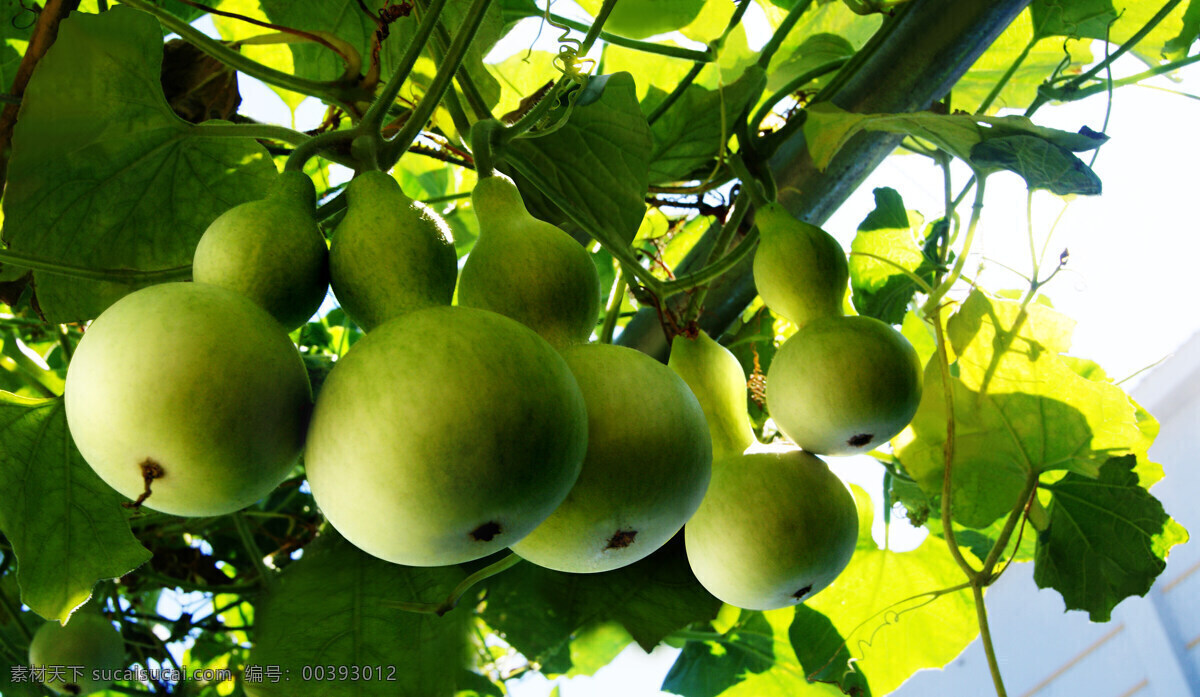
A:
(1127, 284)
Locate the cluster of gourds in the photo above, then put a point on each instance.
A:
(452, 431)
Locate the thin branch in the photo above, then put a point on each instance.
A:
(986, 635)
(256, 555)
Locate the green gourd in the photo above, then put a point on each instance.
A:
(843, 385)
(776, 527)
(799, 269)
(390, 255)
(445, 435)
(646, 468)
(270, 250)
(715, 376)
(528, 269)
(75, 656)
(194, 387)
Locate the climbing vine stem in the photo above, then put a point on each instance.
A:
(459, 591)
(438, 87)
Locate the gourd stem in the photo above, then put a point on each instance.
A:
(539, 110)
(372, 120)
(612, 311)
(714, 48)
(986, 636)
(438, 87)
(459, 591)
(795, 84)
(732, 222)
(252, 548)
(750, 185)
(785, 27)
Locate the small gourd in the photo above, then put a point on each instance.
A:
(799, 269)
(528, 269)
(390, 255)
(270, 250)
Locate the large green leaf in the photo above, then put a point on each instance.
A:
(695, 130)
(988, 143)
(1177, 48)
(1077, 18)
(539, 611)
(892, 610)
(330, 609)
(887, 245)
(1108, 539)
(822, 652)
(821, 19)
(1116, 21)
(596, 166)
(1042, 164)
(1036, 58)
(1019, 410)
(67, 527)
(104, 175)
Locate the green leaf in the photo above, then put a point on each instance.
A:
(1178, 47)
(987, 142)
(104, 175)
(816, 50)
(821, 19)
(539, 611)
(16, 21)
(67, 527)
(329, 609)
(1113, 20)
(472, 684)
(1019, 410)
(887, 234)
(1042, 164)
(596, 166)
(889, 609)
(1036, 60)
(596, 646)
(1076, 18)
(1108, 539)
(695, 130)
(709, 668)
(815, 639)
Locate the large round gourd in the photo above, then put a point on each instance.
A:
(647, 466)
(72, 654)
(194, 387)
(843, 385)
(445, 435)
(774, 529)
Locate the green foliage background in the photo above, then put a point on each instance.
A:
(109, 188)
